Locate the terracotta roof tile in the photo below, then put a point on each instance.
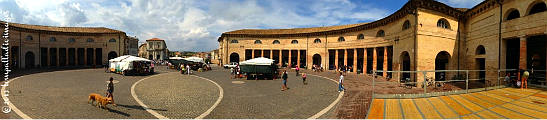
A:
(292, 31)
(64, 29)
(155, 39)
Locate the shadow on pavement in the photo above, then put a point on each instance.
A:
(138, 107)
(119, 112)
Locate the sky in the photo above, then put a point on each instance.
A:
(195, 25)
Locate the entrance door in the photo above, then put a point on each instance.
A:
(234, 57)
(482, 66)
(29, 60)
(441, 63)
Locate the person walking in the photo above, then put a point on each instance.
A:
(304, 78)
(297, 70)
(341, 83)
(188, 69)
(524, 82)
(110, 90)
(284, 76)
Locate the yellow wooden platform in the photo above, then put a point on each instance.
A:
(505, 103)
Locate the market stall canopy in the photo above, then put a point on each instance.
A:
(118, 59)
(258, 61)
(194, 59)
(133, 58)
(176, 58)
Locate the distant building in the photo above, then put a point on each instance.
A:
(215, 58)
(132, 46)
(142, 51)
(156, 49)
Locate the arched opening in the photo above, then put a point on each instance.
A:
(514, 14)
(537, 8)
(112, 55)
(480, 50)
(360, 36)
(234, 41)
(258, 42)
(441, 63)
(316, 59)
(294, 42)
(276, 42)
(29, 60)
(380, 33)
(317, 40)
(341, 39)
(234, 57)
(406, 25)
(405, 65)
(443, 23)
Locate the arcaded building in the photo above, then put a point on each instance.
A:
(34, 46)
(422, 35)
(156, 49)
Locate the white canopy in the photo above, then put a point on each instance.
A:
(258, 61)
(176, 58)
(194, 59)
(133, 58)
(118, 59)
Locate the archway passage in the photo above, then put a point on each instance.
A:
(29, 60)
(441, 63)
(316, 59)
(405, 60)
(112, 55)
(234, 57)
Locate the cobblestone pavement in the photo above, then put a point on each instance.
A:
(177, 96)
(264, 98)
(64, 94)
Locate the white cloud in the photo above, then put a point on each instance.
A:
(461, 3)
(192, 25)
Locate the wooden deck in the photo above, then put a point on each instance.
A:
(505, 103)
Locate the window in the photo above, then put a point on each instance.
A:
(276, 42)
(360, 36)
(52, 39)
(537, 8)
(71, 40)
(112, 40)
(443, 23)
(294, 42)
(317, 40)
(234, 41)
(29, 37)
(514, 14)
(380, 33)
(90, 40)
(258, 42)
(341, 39)
(406, 25)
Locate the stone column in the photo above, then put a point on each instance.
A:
(252, 53)
(522, 50)
(66, 57)
(93, 59)
(58, 58)
(290, 58)
(297, 58)
(374, 56)
(385, 62)
(354, 66)
(280, 57)
(346, 57)
(262, 53)
(76, 57)
(271, 54)
(365, 61)
(336, 60)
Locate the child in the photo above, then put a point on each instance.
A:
(304, 78)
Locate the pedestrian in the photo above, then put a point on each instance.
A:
(507, 79)
(284, 76)
(182, 68)
(341, 83)
(297, 71)
(304, 78)
(110, 90)
(524, 80)
(188, 69)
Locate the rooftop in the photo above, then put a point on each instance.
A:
(154, 39)
(63, 29)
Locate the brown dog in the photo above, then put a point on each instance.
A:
(101, 101)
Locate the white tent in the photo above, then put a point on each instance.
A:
(176, 58)
(118, 59)
(258, 61)
(124, 62)
(194, 59)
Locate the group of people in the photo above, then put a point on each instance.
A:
(285, 76)
(317, 68)
(521, 80)
(344, 69)
(185, 69)
(235, 71)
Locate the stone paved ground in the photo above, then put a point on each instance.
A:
(264, 98)
(178, 96)
(64, 94)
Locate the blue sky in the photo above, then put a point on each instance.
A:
(195, 25)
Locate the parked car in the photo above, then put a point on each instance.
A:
(231, 65)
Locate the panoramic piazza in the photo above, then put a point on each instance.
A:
(282, 59)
